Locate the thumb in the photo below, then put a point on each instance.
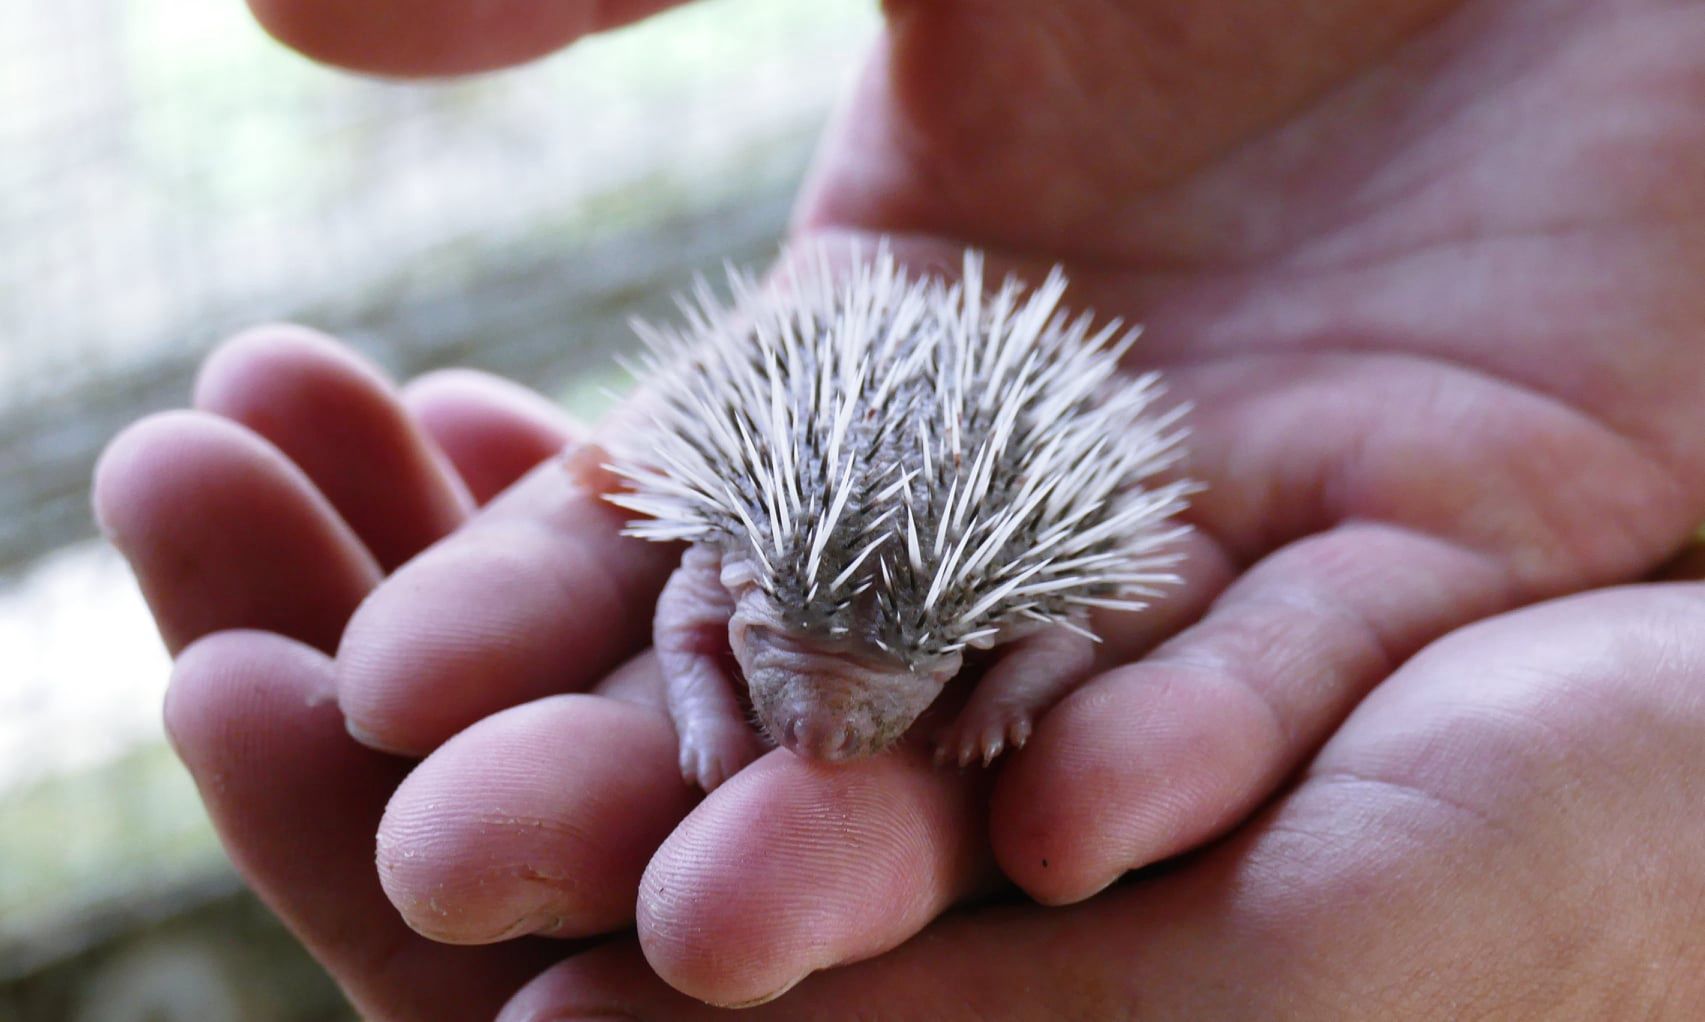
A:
(417, 38)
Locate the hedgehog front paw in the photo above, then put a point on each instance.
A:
(710, 756)
(982, 733)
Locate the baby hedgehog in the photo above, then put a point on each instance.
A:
(876, 474)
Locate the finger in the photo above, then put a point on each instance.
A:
(793, 866)
(638, 681)
(1204, 570)
(493, 431)
(440, 37)
(1188, 950)
(296, 803)
(539, 819)
(223, 531)
(1332, 898)
(1192, 82)
(1153, 758)
(538, 594)
(339, 419)
(1330, 904)
(1443, 845)
(614, 982)
(1294, 443)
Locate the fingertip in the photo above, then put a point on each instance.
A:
(224, 532)
(223, 680)
(538, 595)
(492, 430)
(1204, 569)
(267, 348)
(143, 476)
(452, 387)
(456, 386)
(1139, 765)
(338, 417)
(296, 804)
(793, 866)
(638, 680)
(468, 628)
(611, 982)
(378, 743)
(438, 37)
(539, 819)
(128, 473)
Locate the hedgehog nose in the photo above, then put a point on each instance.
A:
(817, 739)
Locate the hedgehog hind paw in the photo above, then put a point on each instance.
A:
(982, 736)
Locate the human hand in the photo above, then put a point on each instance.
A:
(1501, 830)
(1290, 221)
(1495, 826)
(256, 523)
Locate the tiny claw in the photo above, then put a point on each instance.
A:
(713, 772)
(708, 762)
(710, 778)
(696, 772)
(995, 738)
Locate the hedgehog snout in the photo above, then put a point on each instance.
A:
(834, 717)
(817, 738)
(828, 705)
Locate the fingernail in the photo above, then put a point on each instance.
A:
(367, 738)
(767, 998)
(588, 465)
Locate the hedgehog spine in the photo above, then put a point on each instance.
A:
(924, 465)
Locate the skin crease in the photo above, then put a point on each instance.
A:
(1428, 271)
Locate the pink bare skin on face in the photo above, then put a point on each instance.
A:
(823, 698)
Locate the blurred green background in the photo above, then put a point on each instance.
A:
(168, 174)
